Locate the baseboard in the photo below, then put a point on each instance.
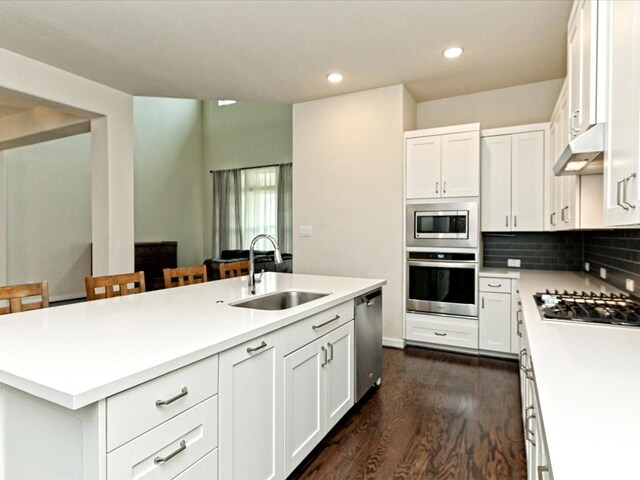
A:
(393, 342)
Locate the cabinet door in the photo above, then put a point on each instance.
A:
(516, 319)
(423, 167)
(339, 371)
(461, 164)
(553, 141)
(304, 402)
(623, 118)
(252, 410)
(496, 183)
(575, 70)
(495, 322)
(527, 177)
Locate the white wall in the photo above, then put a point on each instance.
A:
(520, 105)
(348, 186)
(49, 215)
(111, 149)
(238, 136)
(168, 169)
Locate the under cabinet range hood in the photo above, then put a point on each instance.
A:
(584, 154)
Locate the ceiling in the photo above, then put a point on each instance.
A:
(281, 51)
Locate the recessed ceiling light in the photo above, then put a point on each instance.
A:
(452, 52)
(334, 77)
(224, 103)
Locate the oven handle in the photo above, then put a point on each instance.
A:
(468, 264)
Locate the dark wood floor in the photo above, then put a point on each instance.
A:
(436, 416)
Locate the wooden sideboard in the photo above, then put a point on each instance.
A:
(152, 258)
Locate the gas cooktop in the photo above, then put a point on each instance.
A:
(602, 308)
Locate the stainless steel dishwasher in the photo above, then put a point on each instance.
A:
(368, 342)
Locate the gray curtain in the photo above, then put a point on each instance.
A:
(285, 208)
(227, 204)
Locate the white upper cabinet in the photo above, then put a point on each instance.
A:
(513, 179)
(582, 50)
(443, 162)
(621, 28)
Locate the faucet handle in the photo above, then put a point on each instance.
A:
(259, 279)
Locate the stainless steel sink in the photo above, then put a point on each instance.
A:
(280, 300)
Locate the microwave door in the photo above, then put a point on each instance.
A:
(441, 225)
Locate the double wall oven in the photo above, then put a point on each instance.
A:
(442, 258)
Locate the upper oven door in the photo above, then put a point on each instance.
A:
(442, 225)
(442, 287)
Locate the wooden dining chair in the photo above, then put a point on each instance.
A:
(233, 269)
(178, 277)
(15, 294)
(114, 285)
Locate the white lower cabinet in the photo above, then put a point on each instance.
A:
(252, 409)
(170, 448)
(319, 390)
(495, 322)
(442, 330)
(500, 316)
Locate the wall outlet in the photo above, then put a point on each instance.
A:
(513, 262)
(306, 231)
(603, 273)
(586, 266)
(629, 284)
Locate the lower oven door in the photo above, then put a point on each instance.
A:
(442, 287)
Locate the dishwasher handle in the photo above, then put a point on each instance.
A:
(369, 298)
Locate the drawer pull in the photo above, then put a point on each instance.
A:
(494, 285)
(315, 327)
(181, 448)
(440, 334)
(255, 349)
(182, 393)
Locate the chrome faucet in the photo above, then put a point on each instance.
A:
(277, 257)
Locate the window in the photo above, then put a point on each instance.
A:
(259, 203)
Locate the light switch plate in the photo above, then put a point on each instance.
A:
(513, 262)
(603, 273)
(306, 231)
(629, 284)
(586, 266)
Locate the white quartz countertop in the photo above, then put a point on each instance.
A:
(77, 354)
(588, 384)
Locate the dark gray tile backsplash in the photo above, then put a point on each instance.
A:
(618, 251)
(536, 250)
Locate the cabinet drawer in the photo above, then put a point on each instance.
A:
(204, 469)
(499, 285)
(134, 411)
(181, 441)
(315, 326)
(444, 331)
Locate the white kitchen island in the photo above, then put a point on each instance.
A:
(176, 383)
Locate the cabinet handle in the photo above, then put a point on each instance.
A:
(518, 323)
(482, 302)
(542, 469)
(183, 393)
(574, 115)
(324, 353)
(315, 327)
(444, 187)
(624, 190)
(552, 220)
(506, 220)
(618, 201)
(529, 434)
(437, 184)
(181, 448)
(528, 372)
(330, 345)
(494, 286)
(255, 349)
(440, 334)
(515, 220)
(565, 218)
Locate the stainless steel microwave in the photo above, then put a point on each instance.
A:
(442, 224)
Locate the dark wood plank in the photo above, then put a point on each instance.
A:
(437, 415)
